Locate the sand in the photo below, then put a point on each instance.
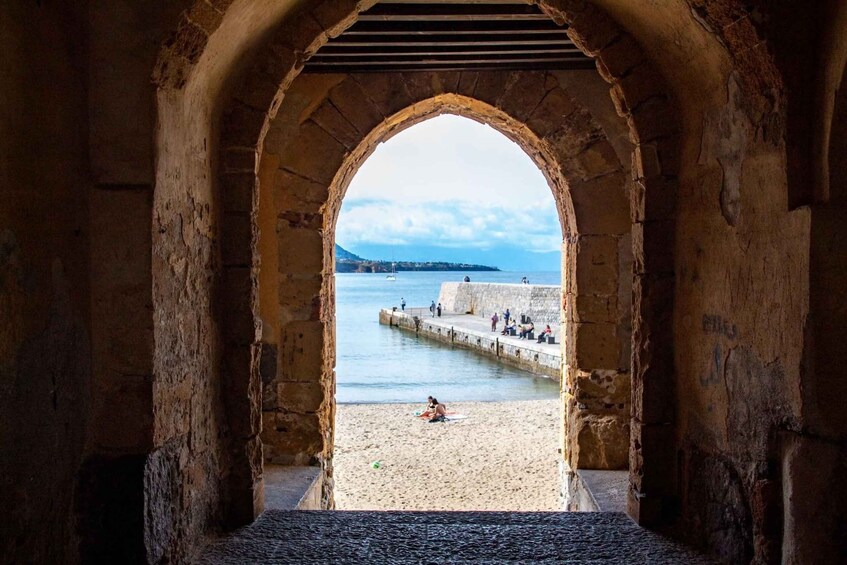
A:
(503, 457)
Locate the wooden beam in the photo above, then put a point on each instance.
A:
(347, 69)
(424, 50)
(405, 41)
(454, 27)
(454, 60)
(447, 12)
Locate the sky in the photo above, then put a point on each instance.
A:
(451, 189)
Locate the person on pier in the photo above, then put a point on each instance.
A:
(543, 335)
(526, 330)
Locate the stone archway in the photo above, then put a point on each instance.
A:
(309, 186)
(641, 99)
(232, 400)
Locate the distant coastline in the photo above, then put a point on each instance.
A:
(346, 262)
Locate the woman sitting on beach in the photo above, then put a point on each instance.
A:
(430, 408)
(438, 411)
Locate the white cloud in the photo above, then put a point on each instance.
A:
(450, 182)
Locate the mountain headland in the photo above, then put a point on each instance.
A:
(346, 262)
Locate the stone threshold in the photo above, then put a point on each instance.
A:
(588, 490)
(292, 488)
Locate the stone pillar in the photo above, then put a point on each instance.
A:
(596, 391)
(296, 403)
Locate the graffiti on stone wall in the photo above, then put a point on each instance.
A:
(715, 368)
(715, 324)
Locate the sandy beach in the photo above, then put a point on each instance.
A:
(502, 457)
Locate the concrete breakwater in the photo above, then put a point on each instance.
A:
(474, 333)
(542, 303)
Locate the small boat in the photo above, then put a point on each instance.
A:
(392, 276)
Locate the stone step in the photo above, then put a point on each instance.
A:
(312, 537)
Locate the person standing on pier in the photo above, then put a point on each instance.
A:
(438, 309)
(403, 304)
(506, 316)
(432, 308)
(494, 319)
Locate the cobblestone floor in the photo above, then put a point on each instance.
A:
(445, 537)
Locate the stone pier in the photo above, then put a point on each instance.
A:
(474, 333)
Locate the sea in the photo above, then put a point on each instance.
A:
(379, 364)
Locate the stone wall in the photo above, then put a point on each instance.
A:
(45, 334)
(738, 303)
(542, 303)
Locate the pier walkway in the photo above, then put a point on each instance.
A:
(474, 333)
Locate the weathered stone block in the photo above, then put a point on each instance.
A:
(330, 119)
(595, 346)
(315, 155)
(243, 126)
(300, 249)
(591, 30)
(301, 352)
(576, 132)
(467, 83)
(592, 308)
(205, 16)
(335, 17)
(300, 298)
(603, 391)
(293, 439)
(594, 441)
(294, 193)
(601, 205)
(302, 397)
(619, 57)
(593, 261)
(638, 86)
(490, 85)
(303, 35)
(550, 112)
(423, 85)
(595, 160)
(356, 107)
(387, 91)
(524, 95)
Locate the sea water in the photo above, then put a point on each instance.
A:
(376, 363)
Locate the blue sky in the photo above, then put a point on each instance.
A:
(451, 189)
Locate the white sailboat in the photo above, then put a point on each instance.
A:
(392, 276)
